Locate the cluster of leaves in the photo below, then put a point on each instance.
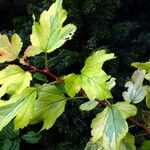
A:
(30, 103)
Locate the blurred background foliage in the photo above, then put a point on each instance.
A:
(121, 26)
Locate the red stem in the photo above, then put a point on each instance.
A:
(45, 71)
(104, 103)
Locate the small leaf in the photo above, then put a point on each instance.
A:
(40, 77)
(111, 125)
(32, 137)
(9, 51)
(89, 105)
(14, 80)
(142, 66)
(72, 84)
(49, 105)
(20, 107)
(49, 34)
(136, 91)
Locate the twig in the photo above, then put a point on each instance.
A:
(45, 71)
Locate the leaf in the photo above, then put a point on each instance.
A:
(49, 105)
(49, 34)
(148, 97)
(72, 84)
(142, 66)
(93, 80)
(32, 137)
(14, 80)
(111, 125)
(128, 143)
(9, 51)
(145, 145)
(89, 105)
(20, 107)
(136, 92)
(40, 77)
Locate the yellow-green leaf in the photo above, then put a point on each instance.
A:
(49, 34)
(14, 80)
(148, 97)
(93, 80)
(20, 107)
(49, 105)
(9, 51)
(110, 125)
(73, 84)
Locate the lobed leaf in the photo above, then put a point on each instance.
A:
(9, 51)
(110, 125)
(93, 80)
(14, 80)
(49, 105)
(20, 107)
(49, 33)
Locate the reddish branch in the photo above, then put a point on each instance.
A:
(104, 103)
(45, 71)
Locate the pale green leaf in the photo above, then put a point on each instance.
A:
(148, 97)
(49, 34)
(49, 105)
(9, 51)
(93, 80)
(20, 107)
(136, 92)
(14, 80)
(72, 84)
(110, 125)
(87, 106)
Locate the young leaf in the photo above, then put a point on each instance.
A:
(93, 80)
(32, 137)
(136, 91)
(20, 107)
(143, 66)
(14, 80)
(49, 105)
(89, 105)
(49, 34)
(111, 125)
(9, 51)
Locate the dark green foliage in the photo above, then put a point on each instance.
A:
(121, 26)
